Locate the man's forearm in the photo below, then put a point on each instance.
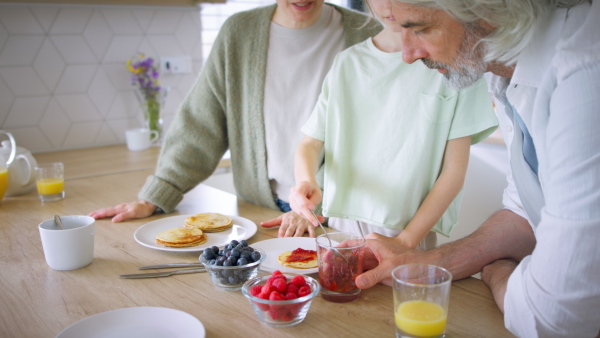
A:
(503, 235)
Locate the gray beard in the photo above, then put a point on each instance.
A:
(468, 60)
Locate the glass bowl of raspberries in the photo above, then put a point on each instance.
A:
(281, 300)
(234, 264)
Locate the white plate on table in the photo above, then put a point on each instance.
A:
(242, 228)
(147, 322)
(276, 246)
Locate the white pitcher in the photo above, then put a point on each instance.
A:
(21, 166)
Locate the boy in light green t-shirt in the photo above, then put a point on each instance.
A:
(396, 142)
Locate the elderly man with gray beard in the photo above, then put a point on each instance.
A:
(539, 255)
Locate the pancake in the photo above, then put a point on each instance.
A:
(299, 259)
(209, 222)
(181, 237)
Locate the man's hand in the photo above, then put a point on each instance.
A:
(495, 276)
(125, 211)
(383, 254)
(291, 224)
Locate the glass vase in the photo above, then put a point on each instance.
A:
(152, 108)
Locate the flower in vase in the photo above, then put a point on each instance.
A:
(144, 76)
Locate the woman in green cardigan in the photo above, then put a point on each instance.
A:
(257, 88)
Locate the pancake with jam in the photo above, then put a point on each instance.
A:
(299, 259)
(209, 222)
(181, 237)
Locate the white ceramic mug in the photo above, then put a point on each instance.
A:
(71, 248)
(140, 138)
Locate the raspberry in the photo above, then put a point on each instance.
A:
(276, 296)
(291, 288)
(255, 290)
(290, 296)
(275, 314)
(287, 317)
(304, 291)
(267, 288)
(262, 306)
(276, 272)
(299, 281)
(276, 277)
(280, 285)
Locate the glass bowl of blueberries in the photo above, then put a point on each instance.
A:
(231, 266)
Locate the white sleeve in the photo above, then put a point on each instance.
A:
(555, 292)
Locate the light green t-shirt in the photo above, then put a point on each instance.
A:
(385, 125)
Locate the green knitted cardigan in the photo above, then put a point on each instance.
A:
(224, 110)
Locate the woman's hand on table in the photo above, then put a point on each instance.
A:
(291, 224)
(125, 211)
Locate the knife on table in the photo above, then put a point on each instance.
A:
(162, 274)
(171, 265)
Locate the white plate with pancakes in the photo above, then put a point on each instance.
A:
(276, 246)
(242, 228)
(137, 322)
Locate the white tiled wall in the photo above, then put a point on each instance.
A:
(63, 81)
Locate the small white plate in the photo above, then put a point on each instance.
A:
(242, 228)
(276, 246)
(147, 322)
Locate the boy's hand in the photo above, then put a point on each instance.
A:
(304, 197)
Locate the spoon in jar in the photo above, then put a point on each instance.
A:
(58, 222)
(328, 239)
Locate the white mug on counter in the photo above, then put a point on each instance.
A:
(140, 138)
(69, 248)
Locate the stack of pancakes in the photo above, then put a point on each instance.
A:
(209, 222)
(181, 237)
(193, 231)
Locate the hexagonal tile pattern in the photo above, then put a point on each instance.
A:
(26, 112)
(63, 79)
(45, 15)
(55, 124)
(20, 20)
(98, 35)
(76, 79)
(6, 101)
(49, 65)
(20, 50)
(74, 49)
(23, 81)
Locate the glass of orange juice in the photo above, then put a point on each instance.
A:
(50, 181)
(421, 297)
(3, 181)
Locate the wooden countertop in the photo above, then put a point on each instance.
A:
(40, 302)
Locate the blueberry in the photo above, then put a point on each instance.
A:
(227, 273)
(255, 256)
(221, 252)
(234, 280)
(233, 243)
(221, 259)
(236, 253)
(246, 255)
(231, 260)
(209, 254)
(228, 263)
(215, 249)
(212, 262)
(249, 248)
(244, 242)
(228, 253)
(242, 261)
(218, 262)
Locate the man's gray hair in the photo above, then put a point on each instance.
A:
(513, 20)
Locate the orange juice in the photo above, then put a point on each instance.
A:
(3, 181)
(50, 186)
(421, 318)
